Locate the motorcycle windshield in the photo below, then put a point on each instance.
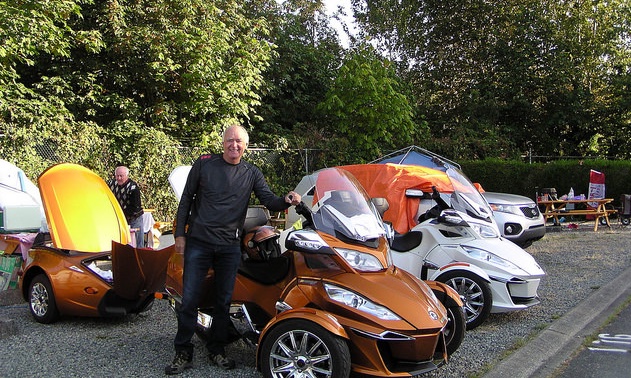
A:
(342, 207)
(466, 197)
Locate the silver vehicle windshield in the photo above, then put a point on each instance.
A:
(342, 207)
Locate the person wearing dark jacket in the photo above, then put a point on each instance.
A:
(209, 223)
(127, 193)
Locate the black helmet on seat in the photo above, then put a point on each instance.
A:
(261, 243)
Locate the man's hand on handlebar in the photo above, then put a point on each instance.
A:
(292, 198)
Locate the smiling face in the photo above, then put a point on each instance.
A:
(235, 141)
(121, 175)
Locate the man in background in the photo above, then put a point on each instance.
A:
(127, 193)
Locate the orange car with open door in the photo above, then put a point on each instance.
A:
(85, 266)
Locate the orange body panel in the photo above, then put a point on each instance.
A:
(246, 290)
(69, 279)
(175, 271)
(82, 213)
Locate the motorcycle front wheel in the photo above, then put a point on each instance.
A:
(297, 347)
(475, 293)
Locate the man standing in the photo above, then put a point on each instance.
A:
(127, 193)
(209, 223)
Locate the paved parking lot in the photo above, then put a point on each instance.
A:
(576, 263)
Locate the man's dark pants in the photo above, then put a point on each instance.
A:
(198, 258)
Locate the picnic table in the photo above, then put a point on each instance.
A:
(593, 206)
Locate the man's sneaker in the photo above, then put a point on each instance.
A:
(222, 361)
(182, 361)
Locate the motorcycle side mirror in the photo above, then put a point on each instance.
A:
(381, 204)
(451, 218)
(417, 193)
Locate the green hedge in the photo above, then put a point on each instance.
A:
(526, 179)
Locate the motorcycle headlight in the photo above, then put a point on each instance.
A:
(358, 302)
(486, 256)
(361, 261)
(484, 230)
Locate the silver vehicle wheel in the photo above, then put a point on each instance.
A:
(301, 348)
(475, 294)
(39, 299)
(42, 301)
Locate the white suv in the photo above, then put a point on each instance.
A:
(517, 217)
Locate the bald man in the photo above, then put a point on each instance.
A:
(127, 193)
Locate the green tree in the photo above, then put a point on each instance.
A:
(35, 121)
(95, 78)
(366, 107)
(499, 78)
(307, 55)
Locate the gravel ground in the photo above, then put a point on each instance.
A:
(577, 263)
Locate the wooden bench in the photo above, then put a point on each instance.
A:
(556, 208)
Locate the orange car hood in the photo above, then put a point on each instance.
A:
(81, 211)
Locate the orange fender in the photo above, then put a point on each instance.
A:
(445, 294)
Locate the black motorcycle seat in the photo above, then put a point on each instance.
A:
(406, 242)
(266, 272)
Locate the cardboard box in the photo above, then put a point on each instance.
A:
(9, 267)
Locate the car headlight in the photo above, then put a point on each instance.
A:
(484, 230)
(358, 302)
(506, 209)
(486, 256)
(359, 260)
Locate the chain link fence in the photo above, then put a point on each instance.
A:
(283, 169)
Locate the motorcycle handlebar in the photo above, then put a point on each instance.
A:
(442, 205)
(302, 209)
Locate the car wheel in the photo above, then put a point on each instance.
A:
(625, 220)
(455, 330)
(475, 294)
(602, 221)
(300, 348)
(42, 300)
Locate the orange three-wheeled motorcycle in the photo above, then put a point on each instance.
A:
(332, 302)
